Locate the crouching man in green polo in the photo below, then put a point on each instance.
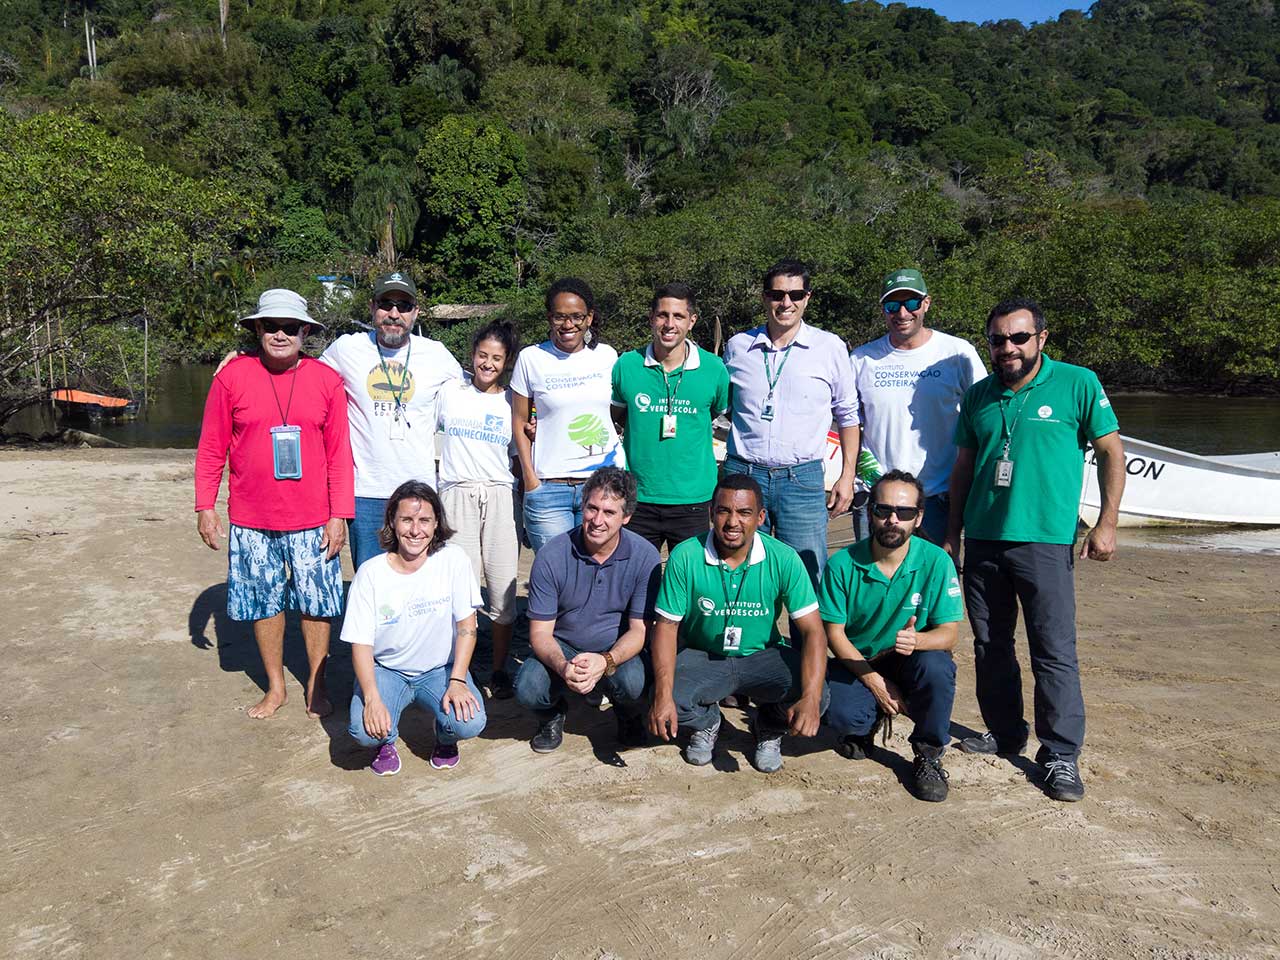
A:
(720, 598)
(891, 604)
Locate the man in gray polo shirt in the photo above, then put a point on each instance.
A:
(591, 592)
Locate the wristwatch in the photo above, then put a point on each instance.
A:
(610, 668)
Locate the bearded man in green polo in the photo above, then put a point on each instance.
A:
(1015, 492)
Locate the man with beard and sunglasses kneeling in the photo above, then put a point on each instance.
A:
(891, 603)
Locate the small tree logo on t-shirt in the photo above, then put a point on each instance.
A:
(1045, 412)
(588, 431)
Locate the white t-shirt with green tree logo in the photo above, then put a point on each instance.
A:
(570, 392)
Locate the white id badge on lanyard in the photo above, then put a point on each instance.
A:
(1004, 472)
(286, 452)
(668, 426)
(399, 426)
(732, 639)
(766, 412)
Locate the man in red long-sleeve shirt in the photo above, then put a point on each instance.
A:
(281, 419)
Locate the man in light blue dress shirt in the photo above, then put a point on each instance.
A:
(788, 381)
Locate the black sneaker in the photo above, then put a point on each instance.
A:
(858, 746)
(1062, 780)
(987, 743)
(550, 732)
(631, 731)
(855, 746)
(929, 779)
(500, 685)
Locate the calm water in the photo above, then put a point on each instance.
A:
(1205, 425)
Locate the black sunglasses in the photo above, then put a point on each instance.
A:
(777, 296)
(883, 511)
(288, 329)
(999, 339)
(912, 305)
(404, 306)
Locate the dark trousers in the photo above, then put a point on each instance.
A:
(670, 523)
(998, 575)
(538, 689)
(927, 678)
(770, 677)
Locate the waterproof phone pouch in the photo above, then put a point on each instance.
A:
(286, 452)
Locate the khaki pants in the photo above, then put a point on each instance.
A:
(482, 516)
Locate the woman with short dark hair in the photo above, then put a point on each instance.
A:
(411, 623)
(568, 380)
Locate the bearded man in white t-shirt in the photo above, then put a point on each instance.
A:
(910, 382)
(392, 378)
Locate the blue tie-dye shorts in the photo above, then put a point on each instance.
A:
(259, 568)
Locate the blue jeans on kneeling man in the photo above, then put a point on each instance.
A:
(543, 692)
(927, 678)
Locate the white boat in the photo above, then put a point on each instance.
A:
(1165, 486)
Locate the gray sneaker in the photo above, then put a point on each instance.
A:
(702, 745)
(768, 758)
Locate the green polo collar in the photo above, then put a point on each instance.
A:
(864, 561)
(1042, 375)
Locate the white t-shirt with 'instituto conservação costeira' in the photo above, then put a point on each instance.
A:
(911, 401)
(410, 619)
(571, 392)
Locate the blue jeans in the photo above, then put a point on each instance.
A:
(550, 510)
(927, 678)
(937, 510)
(770, 677)
(363, 530)
(398, 691)
(539, 690)
(796, 505)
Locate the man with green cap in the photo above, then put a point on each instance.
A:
(910, 382)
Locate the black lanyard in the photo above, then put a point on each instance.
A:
(284, 414)
(671, 394)
(724, 581)
(404, 377)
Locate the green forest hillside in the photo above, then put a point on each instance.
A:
(169, 158)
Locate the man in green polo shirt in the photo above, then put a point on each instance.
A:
(664, 399)
(891, 604)
(1015, 492)
(719, 601)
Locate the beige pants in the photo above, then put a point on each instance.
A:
(482, 516)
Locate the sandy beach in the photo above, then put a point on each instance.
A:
(145, 815)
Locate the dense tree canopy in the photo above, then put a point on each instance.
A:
(1121, 166)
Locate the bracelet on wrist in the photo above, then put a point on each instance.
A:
(457, 680)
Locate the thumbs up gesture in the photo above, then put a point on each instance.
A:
(905, 642)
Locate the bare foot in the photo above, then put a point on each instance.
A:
(267, 706)
(318, 704)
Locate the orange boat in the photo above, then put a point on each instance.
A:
(94, 404)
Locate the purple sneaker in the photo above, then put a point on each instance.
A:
(387, 762)
(445, 756)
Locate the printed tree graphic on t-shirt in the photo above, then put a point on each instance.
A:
(588, 431)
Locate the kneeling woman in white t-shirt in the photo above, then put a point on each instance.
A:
(411, 623)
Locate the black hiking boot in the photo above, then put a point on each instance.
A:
(929, 779)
